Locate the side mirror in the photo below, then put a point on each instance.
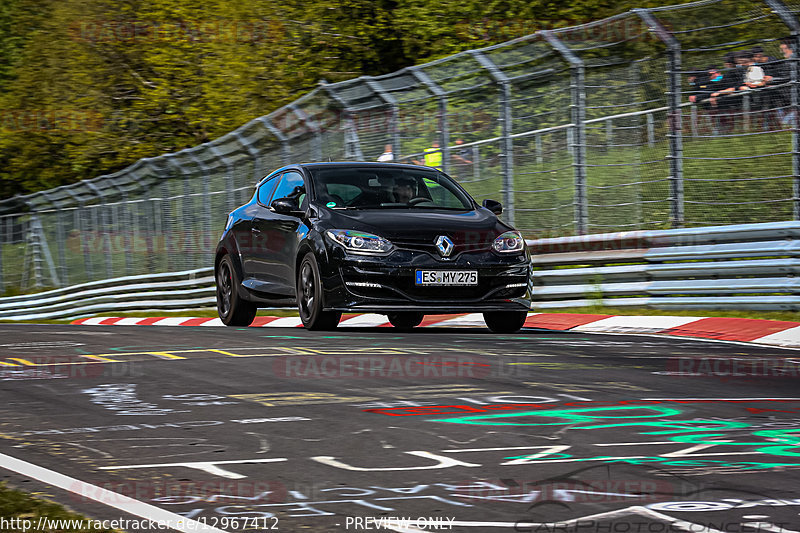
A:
(494, 206)
(286, 206)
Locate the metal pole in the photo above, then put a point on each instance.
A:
(83, 241)
(352, 144)
(313, 126)
(258, 171)
(441, 97)
(789, 19)
(230, 199)
(506, 123)
(2, 278)
(578, 136)
(476, 162)
(746, 111)
(166, 227)
(539, 155)
(675, 134)
(394, 126)
(795, 101)
(286, 148)
(61, 275)
(209, 253)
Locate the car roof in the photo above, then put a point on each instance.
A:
(363, 164)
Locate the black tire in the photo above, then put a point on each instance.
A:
(232, 309)
(405, 321)
(309, 297)
(505, 321)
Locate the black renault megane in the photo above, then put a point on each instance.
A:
(399, 240)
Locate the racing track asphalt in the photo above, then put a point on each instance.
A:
(255, 428)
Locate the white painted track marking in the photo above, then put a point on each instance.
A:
(213, 322)
(96, 320)
(470, 320)
(104, 496)
(636, 324)
(366, 320)
(170, 321)
(130, 321)
(787, 337)
(285, 322)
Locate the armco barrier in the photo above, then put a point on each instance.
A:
(167, 291)
(752, 266)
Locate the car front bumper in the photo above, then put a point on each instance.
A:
(383, 284)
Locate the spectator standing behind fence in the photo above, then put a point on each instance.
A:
(710, 92)
(461, 157)
(784, 76)
(771, 98)
(768, 64)
(387, 156)
(754, 74)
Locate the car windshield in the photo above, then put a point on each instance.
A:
(385, 188)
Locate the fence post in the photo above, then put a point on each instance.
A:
(578, 130)
(675, 134)
(352, 144)
(286, 148)
(82, 236)
(2, 278)
(258, 171)
(98, 224)
(506, 124)
(124, 225)
(209, 255)
(788, 18)
(313, 126)
(391, 101)
(230, 198)
(441, 97)
(61, 276)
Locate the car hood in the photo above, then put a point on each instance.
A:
(423, 226)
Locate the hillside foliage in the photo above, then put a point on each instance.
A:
(87, 87)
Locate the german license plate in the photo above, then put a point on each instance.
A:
(446, 277)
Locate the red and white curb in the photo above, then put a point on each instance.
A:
(769, 332)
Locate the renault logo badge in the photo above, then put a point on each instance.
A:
(445, 245)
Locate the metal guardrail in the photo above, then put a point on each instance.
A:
(157, 292)
(750, 266)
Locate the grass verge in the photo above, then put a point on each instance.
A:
(16, 507)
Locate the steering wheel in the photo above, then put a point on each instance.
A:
(418, 200)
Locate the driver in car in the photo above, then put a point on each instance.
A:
(403, 190)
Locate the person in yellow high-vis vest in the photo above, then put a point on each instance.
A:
(433, 156)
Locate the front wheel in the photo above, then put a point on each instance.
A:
(505, 321)
(309, 297)
(232, 309)
(405, 321)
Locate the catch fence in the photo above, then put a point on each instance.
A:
(576, 130)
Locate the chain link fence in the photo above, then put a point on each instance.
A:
(614, 125)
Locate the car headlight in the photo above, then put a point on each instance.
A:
(359, 242)
(509, 242)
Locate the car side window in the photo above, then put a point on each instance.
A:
(286, 187)
(265, 190)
